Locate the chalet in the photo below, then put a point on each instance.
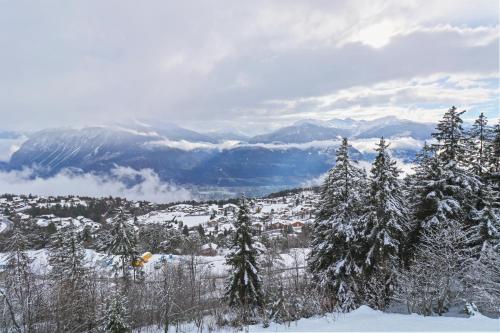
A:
(277, 225)
(212, 223)
(231, 208)
(258, 226)
(209, 249)
(297, 226)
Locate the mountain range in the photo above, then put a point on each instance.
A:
(288, 156)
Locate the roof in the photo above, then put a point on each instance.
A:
(209, 246)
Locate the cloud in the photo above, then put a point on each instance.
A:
(93, 61)
(9, 146)
(404, 143)
(123, 182)
(363, 145)
(188, 145)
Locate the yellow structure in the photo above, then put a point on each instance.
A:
(140, 261)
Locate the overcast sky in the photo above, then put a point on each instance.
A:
(244, 64)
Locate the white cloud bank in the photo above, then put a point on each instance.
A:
(363, 145)
(147, 186)
(9, 146)
(369, 145)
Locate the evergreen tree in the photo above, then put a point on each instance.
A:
(494, 151)
(449, 198)
(416, 204)
(485, 230)
(116, 316)
(479, 136)
(386, 226)
(492, 175)
(19, 289)
(185, 231)
(335, 249)
(67, 254)
(70, 280)
(424, 184)
(123, 242)
(483, 281)
(243, 288)
(447, 189)
(451, 145)
(436, 278)
(484, 233)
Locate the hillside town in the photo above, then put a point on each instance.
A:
(274, 217)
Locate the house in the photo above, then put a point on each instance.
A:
(298, 224)
(230, 208)
(209, 249)
(258, 226)
(212, 223)
(277, 226)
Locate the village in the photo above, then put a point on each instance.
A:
(272, 217)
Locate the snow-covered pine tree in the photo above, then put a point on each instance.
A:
(483, 282)
(419, 207)
(385, 229)
(67, 255)
(335, 254)
(484, 234)
(123, 242)
(452, 191)
(483, 276)
(243, 289)
(494, 150)
(492, 174)
(115, 319)
(448, 196)
(435, 279)
(19, 291)
(478, 138)
(451, 145)
(69, 279)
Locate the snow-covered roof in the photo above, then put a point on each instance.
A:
(209, 246)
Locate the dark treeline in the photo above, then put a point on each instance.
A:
(292, 191)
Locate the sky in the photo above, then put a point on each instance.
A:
(244, 65)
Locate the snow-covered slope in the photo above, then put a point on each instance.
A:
(301, 132)
(364, 319)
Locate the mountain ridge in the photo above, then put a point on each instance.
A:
(288, 156)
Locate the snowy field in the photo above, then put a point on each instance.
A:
(364, 319)
(159, 217)
(210, 264)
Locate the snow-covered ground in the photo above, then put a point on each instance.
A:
(365, 319)
(5, 225)
(165, 216)
(214, 265)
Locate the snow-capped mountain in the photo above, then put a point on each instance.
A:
(300, 133)
(288, 156)
(392, 127)
(316, 130)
